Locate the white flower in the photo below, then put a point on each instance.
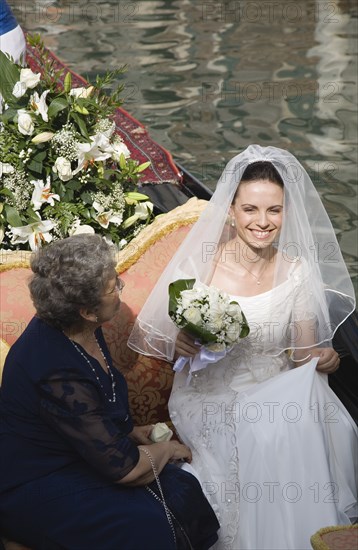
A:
(160, 432)
(105, 218)
(142, 209)
(28, 79)
(42, 137)
(234, 310)
(77, 228)
(81, 93)
(232, 332)
(42, 194)
(93, 151)
(38, 104)
(35, 233)
(192, 315)
(116, 149)
(62, 167)
(6, 168)
(24, 123)
(2, 234)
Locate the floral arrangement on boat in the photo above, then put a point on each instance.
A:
(63, 168)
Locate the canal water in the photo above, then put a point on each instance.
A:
(209, 78)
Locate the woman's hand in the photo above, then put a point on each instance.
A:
(185, 345)
(179, 452)
(328, 360)
(140, 434)
(161, 453)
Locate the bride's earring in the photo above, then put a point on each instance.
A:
(232, 223)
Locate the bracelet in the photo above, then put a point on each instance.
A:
(162, 499)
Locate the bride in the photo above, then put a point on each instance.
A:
(273, 447)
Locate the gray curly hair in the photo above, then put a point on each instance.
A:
(70, 274)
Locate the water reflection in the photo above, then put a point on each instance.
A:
(209, 78)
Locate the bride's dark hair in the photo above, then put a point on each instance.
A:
(261, 170)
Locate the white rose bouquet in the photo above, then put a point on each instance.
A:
(63, 168)
(209, 315)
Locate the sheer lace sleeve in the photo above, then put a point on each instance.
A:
(74, 408)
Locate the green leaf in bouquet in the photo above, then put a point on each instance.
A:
(81, 124)
(10, 74)
(245, 330)
(87, 197)
(9, 114)
(56, 106)
(175, 288)
(12, 216)
(205, 336)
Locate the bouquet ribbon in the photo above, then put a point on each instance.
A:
(201, 360)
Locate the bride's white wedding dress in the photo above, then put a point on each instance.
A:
(274, 448)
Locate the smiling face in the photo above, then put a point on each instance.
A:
(258, 210)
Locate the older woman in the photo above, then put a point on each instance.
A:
(75, 473)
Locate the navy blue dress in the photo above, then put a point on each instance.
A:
(64, 444)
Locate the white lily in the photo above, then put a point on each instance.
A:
(105, 218)
(93, 151)
(143, 209)
(42, 193)
(38, 104)
(35, 233)
(6, 168)
(116, 149)
(28, 79)
(42, 137)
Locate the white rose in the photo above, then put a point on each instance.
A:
(6, 168)
(77, 229)
(24, 123)
(234, 310)
(192, 315)
(28, 79)
(62, 167)
(160, 432)
(215, 324)
(232, 333)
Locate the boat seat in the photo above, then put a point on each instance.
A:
(140, 265)
(337, 537)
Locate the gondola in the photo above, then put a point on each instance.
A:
(168, 184)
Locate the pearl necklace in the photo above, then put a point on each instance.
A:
(113, 382)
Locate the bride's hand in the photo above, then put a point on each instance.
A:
(185, 345)
(328, 360)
